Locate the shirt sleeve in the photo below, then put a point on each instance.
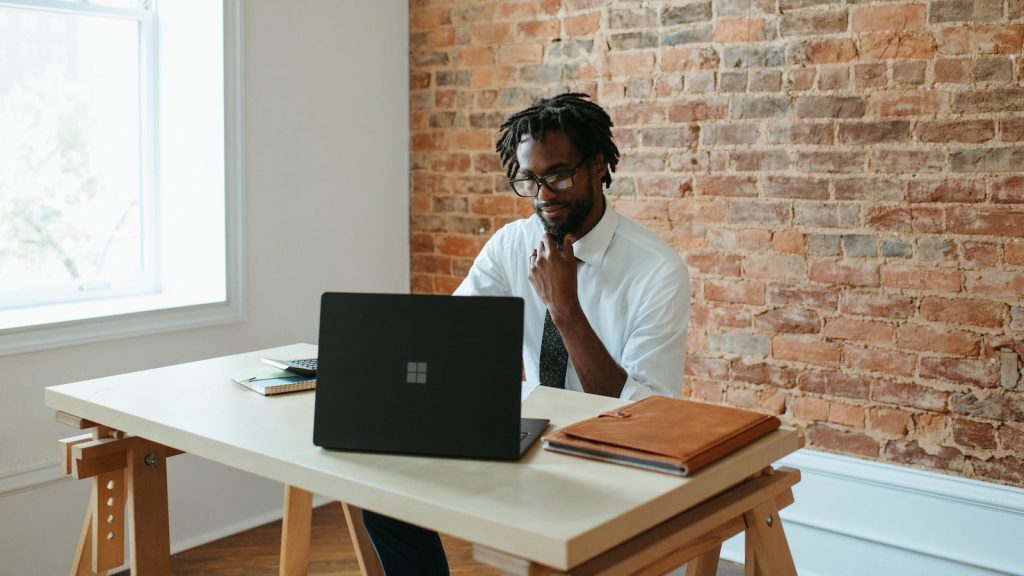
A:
(654, 356)
(487, 276)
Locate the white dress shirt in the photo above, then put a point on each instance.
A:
(633, 288)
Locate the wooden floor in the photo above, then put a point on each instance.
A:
(256, 552)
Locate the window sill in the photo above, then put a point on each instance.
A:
(122, 325)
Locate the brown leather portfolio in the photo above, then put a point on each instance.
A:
(663, 434)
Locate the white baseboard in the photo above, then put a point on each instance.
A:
(31, 477)
(854, 517)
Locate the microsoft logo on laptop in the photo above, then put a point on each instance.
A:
(416, 373)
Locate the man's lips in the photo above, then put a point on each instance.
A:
(551, 210)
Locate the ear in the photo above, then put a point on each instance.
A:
(599, 167)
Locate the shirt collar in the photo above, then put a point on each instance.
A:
(592, 247)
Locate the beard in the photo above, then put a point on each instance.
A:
(577, 212)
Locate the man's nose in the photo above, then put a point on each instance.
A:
(545, 194)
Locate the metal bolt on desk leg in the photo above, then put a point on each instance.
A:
(769, 520)
(151, 460)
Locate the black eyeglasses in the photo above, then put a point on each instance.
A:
(529, 187)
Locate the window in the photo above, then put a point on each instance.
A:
(119, 171)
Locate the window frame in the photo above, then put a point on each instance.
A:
(169, 318)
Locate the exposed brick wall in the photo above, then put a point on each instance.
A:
(844, 179)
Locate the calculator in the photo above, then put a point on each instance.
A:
(303, 366)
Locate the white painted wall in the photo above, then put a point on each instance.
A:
(326, 208)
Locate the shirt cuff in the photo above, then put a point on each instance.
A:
(633, 390)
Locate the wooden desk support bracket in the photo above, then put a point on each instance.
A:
(694, 537)
(126, 472)
(295, 534)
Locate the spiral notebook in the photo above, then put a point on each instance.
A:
(268, 380)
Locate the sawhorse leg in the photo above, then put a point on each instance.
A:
(296, 531)
(128, 473)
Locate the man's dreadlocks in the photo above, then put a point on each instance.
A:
(587, 125)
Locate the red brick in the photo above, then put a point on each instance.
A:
(464, 246)
(520, 53)
(740, 30)
(907, 161)
(971, 312)
(910, 395)
(846, 414)
(696, 210)
(911, 453)
(1008, 190)
(698, 111)
(946, 191)
(706, 391)
(880, 304)
(845, 272)
(726, 186)
(973, 434)
(446, 284)
(889, 17)
(897, 45)
(430, 264)
(788, 320)
(1007, 469)
(843, 442)
(772, 267)
(763, 374)
(492, 205)
(789, 241)
(1003, 285)
(664, 186)
(792, 187)
(980, 39)
(823, 298)
(969, 131)
(543, 29)
(927, 339)
(879, 360)
(422, 284)
(1011, 439)
(907, 103)
(765, 214)
(813, 22)
(1013, 252)
(874, 132)
(582, 25)
(863, 330)
(714, 264)
(920, 278)
(806, 350)
(741, 397)
(888, 421)
(979, 254)
(1012, 130)
(708, 368)
(421, 242)
(808, 408)
(685, 59)
(834, 383)
(983, 373)
(737, 291)
(774, 401)
(985, 222)
(821, 51)
(952, 71)
(720, 315)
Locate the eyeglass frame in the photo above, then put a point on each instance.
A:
(543, 180)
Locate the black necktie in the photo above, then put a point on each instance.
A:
(554, 358)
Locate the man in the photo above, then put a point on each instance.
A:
(606, 301)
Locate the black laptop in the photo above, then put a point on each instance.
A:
(419, 374)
